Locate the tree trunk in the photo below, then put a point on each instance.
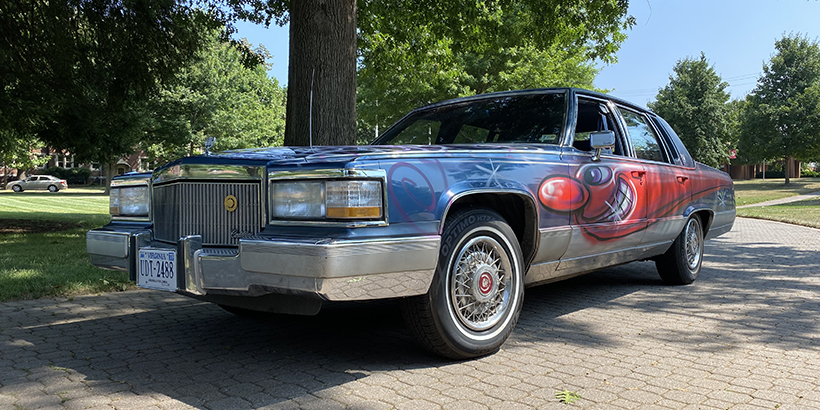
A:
(787, 169)
(108, 169)
(322, 66)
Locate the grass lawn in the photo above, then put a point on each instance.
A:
(806, 213)
(42, 244)
(756, 190)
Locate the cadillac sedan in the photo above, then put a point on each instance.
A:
(454, 210)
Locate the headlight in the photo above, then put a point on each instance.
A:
(340, 199)
(129, 201)
(298, 199)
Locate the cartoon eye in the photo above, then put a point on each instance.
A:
(597, 175)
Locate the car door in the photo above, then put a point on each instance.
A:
(30, 183)
(666, 185)
(609, 216)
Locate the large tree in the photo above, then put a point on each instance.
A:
(695, 105)
(216, 96)
(480, 41)
(782, 115)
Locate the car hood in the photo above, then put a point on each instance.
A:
(320, 154)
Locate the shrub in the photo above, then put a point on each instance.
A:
(74, 176)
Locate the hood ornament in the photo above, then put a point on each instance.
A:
(209, 143)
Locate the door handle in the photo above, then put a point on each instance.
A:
(682, 179)
(638, 174)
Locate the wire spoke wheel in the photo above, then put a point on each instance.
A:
(694, 244)
(480, 286)
(477, 291)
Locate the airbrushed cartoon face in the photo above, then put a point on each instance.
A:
(596, 194)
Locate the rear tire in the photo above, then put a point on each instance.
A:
(477, 291)
(680, 265)
(53, 188)
(17, 188)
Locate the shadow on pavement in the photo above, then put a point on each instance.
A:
(150, 343)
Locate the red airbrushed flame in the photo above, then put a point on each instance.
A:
(562, 194)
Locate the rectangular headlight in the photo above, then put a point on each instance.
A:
(298, 199)
(129, 201)
(341, 199)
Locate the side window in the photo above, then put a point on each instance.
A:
(644, 141)
(422, 132)
(469, 134)
(593, 116)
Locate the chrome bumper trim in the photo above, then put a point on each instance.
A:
(328, 269)
(338, 259)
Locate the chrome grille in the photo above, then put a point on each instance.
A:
(197, 208)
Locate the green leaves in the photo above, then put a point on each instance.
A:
(216, 95)
(567, 397)
(694, 103)
(414, 53)
(782, 114)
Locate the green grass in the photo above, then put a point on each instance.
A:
(756, 190)
(51, 262)
(806, 213)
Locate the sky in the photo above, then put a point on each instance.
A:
(737, 37)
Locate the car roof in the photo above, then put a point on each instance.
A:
(531, 91)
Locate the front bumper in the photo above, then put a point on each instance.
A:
(330, 269)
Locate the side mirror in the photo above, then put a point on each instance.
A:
(599, 141)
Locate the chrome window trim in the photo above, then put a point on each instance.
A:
(329, 174)
(209, 172)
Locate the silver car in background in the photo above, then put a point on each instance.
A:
(52, 184)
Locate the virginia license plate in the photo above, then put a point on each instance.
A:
(157, 269)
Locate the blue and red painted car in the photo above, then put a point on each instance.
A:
(454, 210)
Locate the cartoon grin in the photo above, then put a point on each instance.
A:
(619, 206)
(598, 194)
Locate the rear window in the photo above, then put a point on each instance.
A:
(532, 119)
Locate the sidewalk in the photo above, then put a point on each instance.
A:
(795, 198)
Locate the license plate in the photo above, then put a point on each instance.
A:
(157, 269)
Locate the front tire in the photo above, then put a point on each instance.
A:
(477, 291)
(680, 265)
(17, 188)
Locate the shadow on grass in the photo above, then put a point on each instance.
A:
(36, 265)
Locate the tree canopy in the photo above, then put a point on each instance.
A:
(416, 53)
(216, 96)
(694, 103)
(77, 74)
(782, 114)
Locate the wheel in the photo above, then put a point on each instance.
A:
(477, 291)
(17, 188)
(680, 265)
(53, 188)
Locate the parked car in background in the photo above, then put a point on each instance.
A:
(52, 184)
(454, 210)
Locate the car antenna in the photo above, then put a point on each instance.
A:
(310, 113)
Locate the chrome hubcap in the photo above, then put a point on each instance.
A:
(481, 283)
(694, 245)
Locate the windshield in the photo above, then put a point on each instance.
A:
(531, 119)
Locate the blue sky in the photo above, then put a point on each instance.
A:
(736, 36)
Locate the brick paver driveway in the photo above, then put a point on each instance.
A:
(745, 335)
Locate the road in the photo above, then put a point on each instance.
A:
(745, 335)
